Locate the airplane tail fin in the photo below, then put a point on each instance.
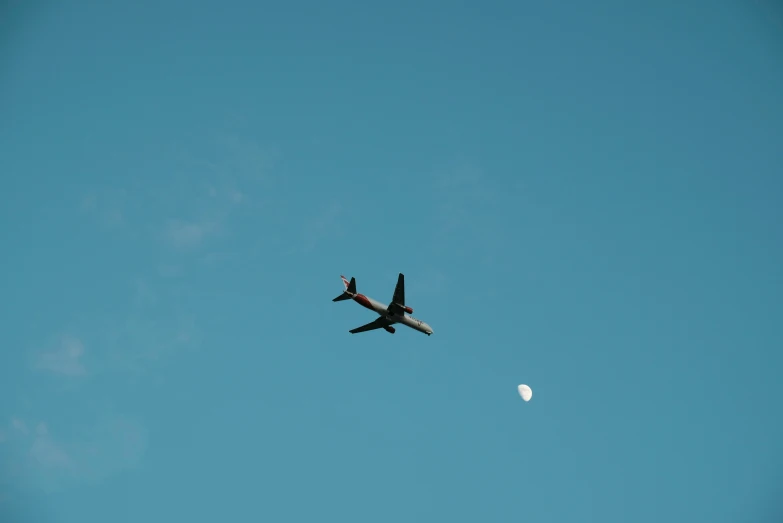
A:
(350, 289)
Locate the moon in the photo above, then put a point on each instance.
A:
(525, 391)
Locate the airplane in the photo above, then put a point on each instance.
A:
(389, 314)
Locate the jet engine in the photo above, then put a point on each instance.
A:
(389, 329)
(407, 309)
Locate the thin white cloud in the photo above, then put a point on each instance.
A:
(214, 208)
(48, 453)
(189, 207)
(324, 225)
(468, 207)
(183, 234)
(463, 191)
(155, 327)
(168, 270)
(229, 195)
(66, 359)
(145, 295)
(193, 202)
(19, 425)
(89, 202)
(107, 205)
(140, 342)
(215, 257)
(103, 449)
(236, 196)
(243, 159)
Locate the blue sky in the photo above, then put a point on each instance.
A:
(583, 198)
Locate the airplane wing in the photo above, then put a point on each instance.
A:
(378, 323)
(397, 305)
(399, 291)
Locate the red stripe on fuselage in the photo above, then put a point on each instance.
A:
(362, 300)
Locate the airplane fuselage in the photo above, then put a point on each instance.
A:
(382, 309)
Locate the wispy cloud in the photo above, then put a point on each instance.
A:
(185, 234)
(242, 159)
(40, 459)
(236, 196)
(472, 206)
(181, 217)
(100, 450)
(322, 226)
(66, 359)
(19, 425)
(47, 452)
(144, 294)
(221, 180)
(463, 190)
(203, 185)
(186, 212)
(106, 204)
(141, 342)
